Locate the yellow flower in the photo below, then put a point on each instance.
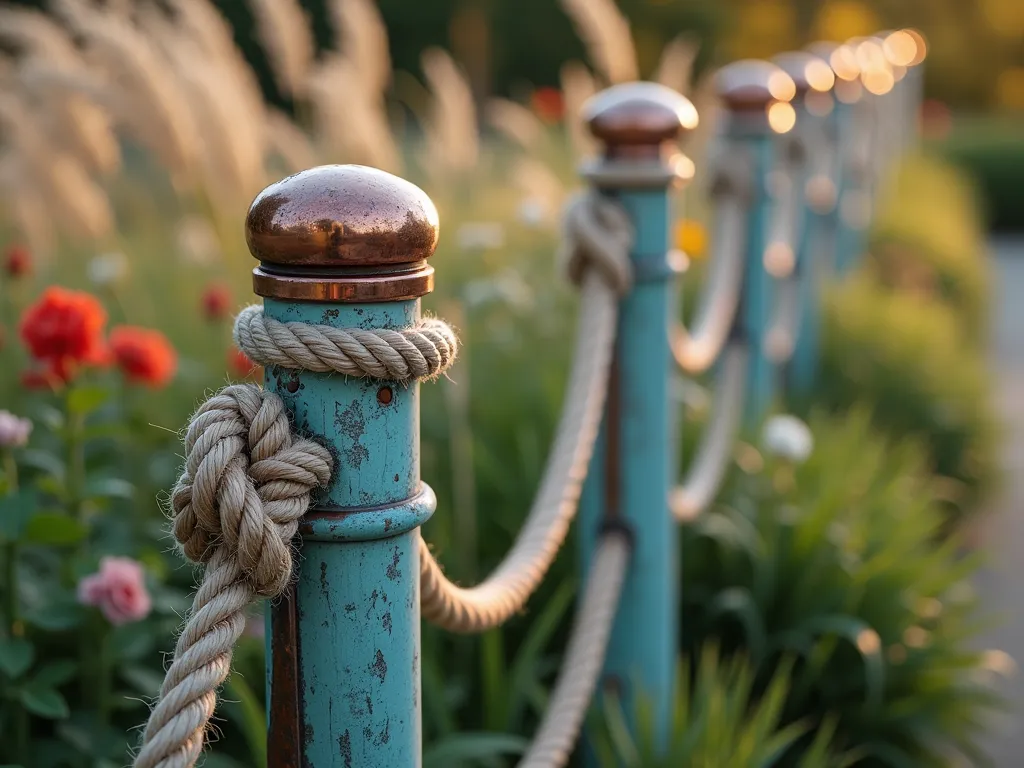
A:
(843, 19)
(1010, 88)
(691, 238)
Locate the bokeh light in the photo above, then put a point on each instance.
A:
(781, 116)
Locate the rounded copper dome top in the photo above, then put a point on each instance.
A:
(808, 71)
(752, 84)
(342, 216)
(638, 114)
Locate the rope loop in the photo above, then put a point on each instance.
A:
(247, 480)
(596, 232)
(422, 352)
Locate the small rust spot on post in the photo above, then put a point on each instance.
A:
(293, 385)
(385, 395)
(283, 749)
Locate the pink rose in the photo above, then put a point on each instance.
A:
(118, 590)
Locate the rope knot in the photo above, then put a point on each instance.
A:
(597, 233)
(247, 481)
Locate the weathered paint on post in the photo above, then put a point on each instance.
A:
(633, 467)
(344, 671)
(756, 96)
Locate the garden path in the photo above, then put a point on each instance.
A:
(1001, 532)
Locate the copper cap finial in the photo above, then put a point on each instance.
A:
(752, 85)
(342, 233)
(638, 115)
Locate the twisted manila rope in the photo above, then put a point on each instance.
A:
(417, 353)
(247, 481)
(598, 240)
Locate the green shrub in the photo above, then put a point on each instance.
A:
(836, 561)
(992, 152)
(718, 720)
(907, 358)
(928, 238)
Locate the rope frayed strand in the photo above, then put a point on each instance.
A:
(247, 480)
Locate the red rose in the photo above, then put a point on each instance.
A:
(144, 355)
(239, 363)
(216, 302)
(64, 331)
(547, 103)
(18, 261)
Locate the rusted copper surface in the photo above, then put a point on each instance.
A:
(283, 735)
(393, 286)
(341, 215)
(342, 233)
(634, 118)
(752, 85)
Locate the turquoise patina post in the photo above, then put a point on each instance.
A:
(634, 465)
(346, 246)
(756, 97)
(852, 126)
(813, 103)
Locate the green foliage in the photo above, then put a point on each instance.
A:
(835, 562)
(719, 719)
(928, 239)
(908, 359)
(992, 152)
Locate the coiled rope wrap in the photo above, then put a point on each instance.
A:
(421, 352)
(247, 481)
(597, 238)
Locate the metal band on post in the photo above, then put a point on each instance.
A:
(346, 247)
(631, 472)
(756, 96)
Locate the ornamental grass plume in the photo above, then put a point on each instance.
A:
(63, 331)
(71, 120)
(282, 27)
(145, 356)
(515, 122)
(605, 33)
(118, 589)
(74, 199)
(578, 85)
(452, 139)
(137, 86)
(360, 33)
(675, 68)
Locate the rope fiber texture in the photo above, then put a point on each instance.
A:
(696, 350)
(597, 239)
(247, 480)
(411, 354)
(584, 657)
(707, 470)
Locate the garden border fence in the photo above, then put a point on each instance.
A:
(329, 449)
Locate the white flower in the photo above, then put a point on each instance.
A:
(788, 438)
(14, 431)
(480, 236)
(507, 287)
(197, 241)
(532, 211)
(108, 269)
